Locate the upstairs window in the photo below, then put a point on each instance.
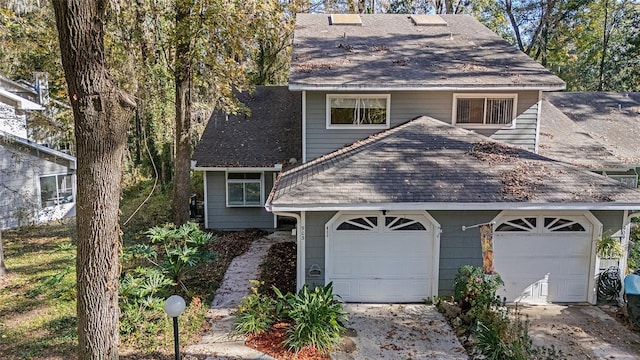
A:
(56, 190)
(358, 111)
(484, 110)
(244, 189)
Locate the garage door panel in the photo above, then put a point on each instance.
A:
(543, 245)
(375, 243)
(379, 266)
(526, 290)
(378, 290)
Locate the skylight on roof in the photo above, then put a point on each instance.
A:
(428, 20)
(346, 19)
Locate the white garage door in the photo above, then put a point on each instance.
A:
(544, 258)
(375, 257)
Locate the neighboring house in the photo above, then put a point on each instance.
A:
(37, 183)
(595, 130)
(415, 129)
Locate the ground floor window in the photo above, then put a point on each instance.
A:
(56, 190)
(244, 189)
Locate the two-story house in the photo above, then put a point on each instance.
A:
(414, 132)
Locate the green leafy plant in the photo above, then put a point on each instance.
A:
(500, 334)
(256, 312)
(184, 248)
(317, 318)
(475, 291)
(609, 248)
(142, 293)
(633, 261)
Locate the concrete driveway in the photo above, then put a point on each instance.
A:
(582, 331)
(400, 331)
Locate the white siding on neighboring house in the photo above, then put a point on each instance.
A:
(21, 168)
(12, 123)
(408, 105)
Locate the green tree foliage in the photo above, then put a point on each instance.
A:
(591, 44)
(206, 49)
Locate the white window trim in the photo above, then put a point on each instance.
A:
(39, 189)
(386, 125)
(236, 181)
(454, 110)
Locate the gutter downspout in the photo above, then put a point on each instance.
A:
(300, 246)
(538, 123)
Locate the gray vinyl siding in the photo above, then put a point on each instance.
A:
(314, 249)
(221, 217)
(406, 106)
(20, 170)
(611, 220)
(457, 247)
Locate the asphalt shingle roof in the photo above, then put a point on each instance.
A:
(427, 161)
(389, 52)
(270, 135)
(591, 129)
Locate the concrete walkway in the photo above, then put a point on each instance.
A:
(219, 343)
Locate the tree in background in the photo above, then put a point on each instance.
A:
(101, 114)
(212, 41)
(185, 58)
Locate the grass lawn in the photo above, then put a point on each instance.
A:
(37, 297)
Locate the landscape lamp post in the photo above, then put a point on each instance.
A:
(174, 306)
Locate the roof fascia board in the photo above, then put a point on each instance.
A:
(18, 85)
(39, 147)
(301, 87)
(236, 169)
(22, 103)
(456, 206)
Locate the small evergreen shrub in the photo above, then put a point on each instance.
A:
(475, 291)
(317, 318)
(256, 313)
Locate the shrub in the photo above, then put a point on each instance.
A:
(184, 248)
(501, 336)
(317, 318)
(609, 248)
(256, 313)
(475, 291)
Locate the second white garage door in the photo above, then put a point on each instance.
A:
(544, 258)
(375, 257)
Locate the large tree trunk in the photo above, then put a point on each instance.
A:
(182, 68)
(101, 113)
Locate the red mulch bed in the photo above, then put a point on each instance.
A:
(270, 342)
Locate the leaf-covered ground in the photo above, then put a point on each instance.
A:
(37, 297)
(279, 269)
